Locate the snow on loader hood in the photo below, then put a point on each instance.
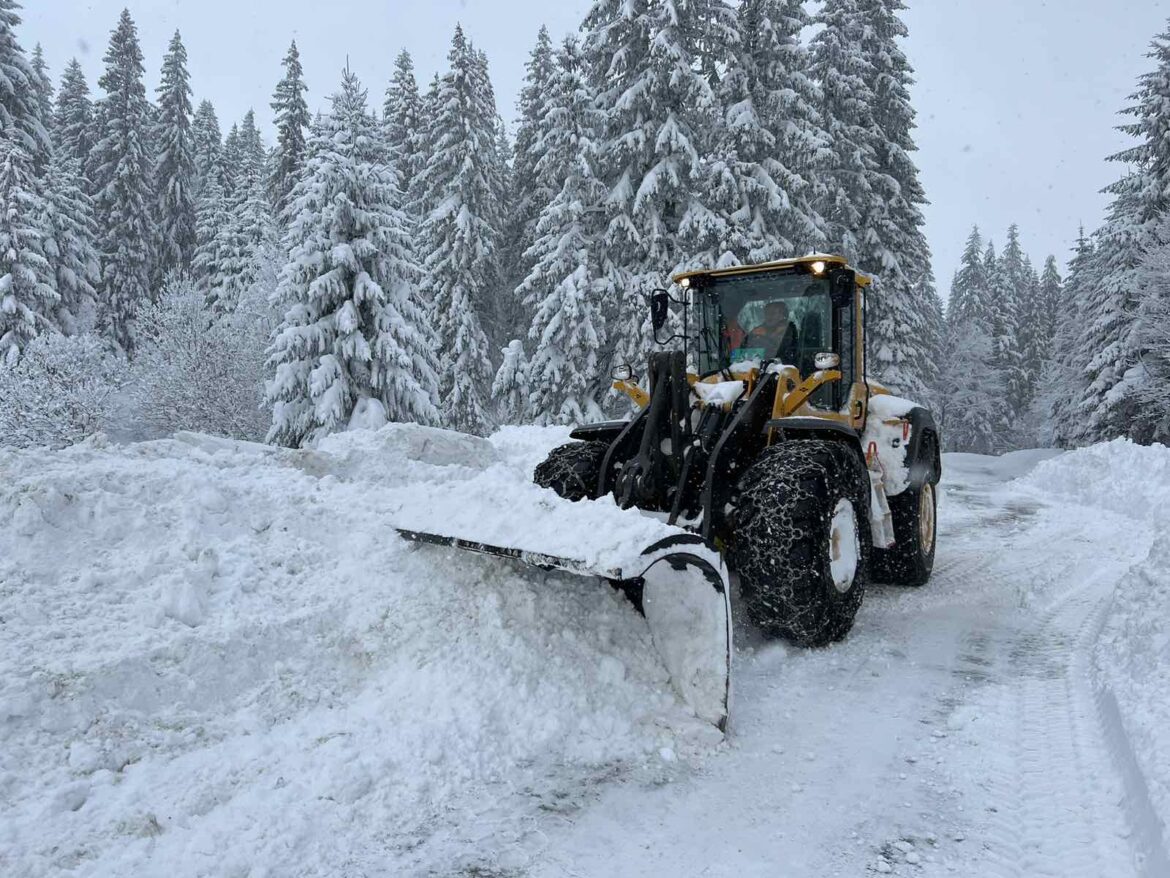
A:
(201, 634)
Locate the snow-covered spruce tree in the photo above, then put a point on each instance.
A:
(1031, 340)
(121, 174)
(1065, 381)
(249, 158)
(763, 174)
(933, 342)
(70, 245)
(652, 64)
(236, 256)
(510, 386)
(207, 147)
(1035, 334)
(1153, 335)
(73, 119)
(247, 162)
(27, 297)
(532, 192)
(1051, 293)
(872, 197)
(968, 394)
(1001, 326)
(458, 237)
(292, 122)
(232, 156)
(1049, 313)
(567, 286)
(174, 169)
(403, 117)
(969, 398)
(499, 314)
(239, 239)
(420, 199)
(21, 120)
(501, 149)
(1106, 343)
(617, 48)
(849, 196)
(44, 89)
(211, 215)
(1012, 280)
(674, 201)
(354, 327)
(969, 291)
(1114, 381)
(1032, 331)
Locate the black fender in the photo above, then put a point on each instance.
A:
(603, 431)
(924, 454)
(812, 425)
(815, 428)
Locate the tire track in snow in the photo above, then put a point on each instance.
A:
(1066, 798)
(1067, 822)
(1148, 832)
(1029, 773)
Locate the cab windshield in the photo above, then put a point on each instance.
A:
(781, 317)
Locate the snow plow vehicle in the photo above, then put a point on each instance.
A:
(762, 442)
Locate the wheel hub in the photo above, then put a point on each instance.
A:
(844, 546)
(926, 518)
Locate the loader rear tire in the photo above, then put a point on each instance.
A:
(910, 560)
(573, 470)
(801, 540)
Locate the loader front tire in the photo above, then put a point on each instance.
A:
(801, 540)
(573, 470)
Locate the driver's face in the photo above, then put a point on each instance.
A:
(775, 315)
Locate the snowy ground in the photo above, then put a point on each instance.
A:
(216, 660)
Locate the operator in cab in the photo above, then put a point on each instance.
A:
(775, 337)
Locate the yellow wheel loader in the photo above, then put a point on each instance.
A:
(760, 438)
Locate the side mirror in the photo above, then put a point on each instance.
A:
(841, 284)
(659, 309)
(624, 372)
(826, 361)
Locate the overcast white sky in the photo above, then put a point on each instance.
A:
(1017, 99)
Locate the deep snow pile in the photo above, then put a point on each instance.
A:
(468, 487)
(1133, 655)
(217, 658)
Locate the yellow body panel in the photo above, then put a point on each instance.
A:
(798, 396)
(633, 391)
(863, 280)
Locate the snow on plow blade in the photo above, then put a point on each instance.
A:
(684, 599)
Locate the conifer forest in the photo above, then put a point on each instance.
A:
(420, 252)
(584, 439)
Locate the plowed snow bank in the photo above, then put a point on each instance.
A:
(1133, 656)
(217, 659)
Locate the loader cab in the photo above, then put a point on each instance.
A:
(802, 314)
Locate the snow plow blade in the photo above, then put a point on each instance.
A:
(685, 600)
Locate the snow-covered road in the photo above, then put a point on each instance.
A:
(214, 662)
(957, 731)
